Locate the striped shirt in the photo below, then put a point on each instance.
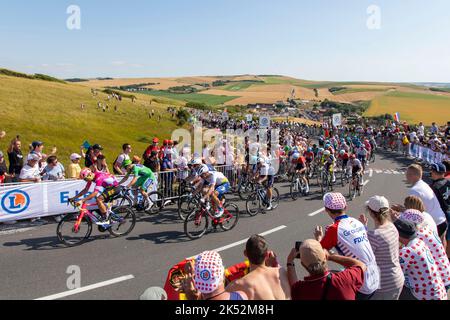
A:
(385, 244)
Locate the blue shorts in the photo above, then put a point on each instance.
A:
(222, 189)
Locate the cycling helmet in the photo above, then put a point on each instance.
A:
(309, 149)
(126, 163)
(203, 169)
(327, 146)
(85, 173)
(342, 152)
(196, 161)
(326, 153)
(321, 150)
(296, 155)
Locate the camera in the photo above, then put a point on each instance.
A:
(298, 244)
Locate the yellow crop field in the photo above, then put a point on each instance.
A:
(413, 107)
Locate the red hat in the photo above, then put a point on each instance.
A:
(170, 142)
(165, 142)
(155, 140)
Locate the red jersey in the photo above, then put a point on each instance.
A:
(309, 155)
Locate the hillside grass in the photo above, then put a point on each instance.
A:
(358, 90)
(209, 99)
(413, 107)
(238, 86)
(50, 112)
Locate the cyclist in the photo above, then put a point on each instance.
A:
(265, 173)
(142, 180)
(217, 186)
(106, 187)
(300, 169)
(362, 153)
(329, 161)
(309, 156)
(343, 157)
(356, 168)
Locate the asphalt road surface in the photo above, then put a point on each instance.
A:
(34, 265)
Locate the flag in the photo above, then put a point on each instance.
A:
(397, 117)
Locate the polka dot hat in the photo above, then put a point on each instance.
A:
(334, 201)
(209, 271)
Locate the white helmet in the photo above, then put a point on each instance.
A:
(326, 153)
(296, 155)
(196, 161)
(203, 169)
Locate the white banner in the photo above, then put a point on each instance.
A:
(27, 201)
(264, 122)
(249, 117)
(337, 119)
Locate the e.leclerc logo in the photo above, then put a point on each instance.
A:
(15, 201)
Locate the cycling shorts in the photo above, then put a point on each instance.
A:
(299, 166)
(144, 183)
(110, 193)
(270, 181)
(222, 189)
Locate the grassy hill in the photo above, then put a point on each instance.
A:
(51, 112)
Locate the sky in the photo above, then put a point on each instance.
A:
(314, 40)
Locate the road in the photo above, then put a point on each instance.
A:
(34, 265)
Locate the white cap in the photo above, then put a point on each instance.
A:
(376, 203)
(154, 293)
(75, 156)
(33, 156)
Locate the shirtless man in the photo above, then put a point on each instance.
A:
(264, 281)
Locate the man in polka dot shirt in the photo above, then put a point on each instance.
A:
(422, 278)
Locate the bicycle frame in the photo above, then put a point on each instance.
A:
(83, 212)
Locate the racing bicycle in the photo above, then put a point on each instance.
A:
(257, 201)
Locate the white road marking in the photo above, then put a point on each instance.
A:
(14, 231)
(237, 243)
(87, 288)
(366, 182)
(379, 171)
(312, 214)
(370, 173)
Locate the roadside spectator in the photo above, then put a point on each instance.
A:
(422, 282)
(413, 202)
(153, 162)
(425, 193)
(441, 187)
(266, 279)
(54, 170)
(446, 163)
(15, 158)
(151, 148)
(431, 240)
(384, 242)
(100, 164)
(4, 175)
(74, 168)
(36, 148)
(125, 155)
(205, 279)
(91, 155)
(321, 284)
(30, 172)
(349, 237)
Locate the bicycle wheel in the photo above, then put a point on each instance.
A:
(123, 220)
(67, 234)
(245, 189)
(122, 201)
(253, 204)
(156, 203)
(275, 198)
(196, 224)
(230, 216)
(295, 189)
(351, 190)
(186, 204)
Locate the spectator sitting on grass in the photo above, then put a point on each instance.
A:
(266, 280)
(74, 168)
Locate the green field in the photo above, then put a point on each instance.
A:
(208, 99)
(50, 112)
(413, 107)
(357, 90)
(237, 86)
